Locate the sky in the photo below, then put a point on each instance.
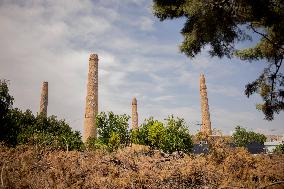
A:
(45, 40)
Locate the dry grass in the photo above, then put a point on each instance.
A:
(137, 167)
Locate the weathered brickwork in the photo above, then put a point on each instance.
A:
(91, 110)
(206, 123)
(44, 99)
(134, 114)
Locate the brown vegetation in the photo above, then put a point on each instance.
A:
(137, 167)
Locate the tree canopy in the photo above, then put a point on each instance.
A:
(242, 137)
(18, 127)
(221, 24)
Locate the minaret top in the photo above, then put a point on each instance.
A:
(202, 76)
(202, 81)
(94, 57)
(134, 101)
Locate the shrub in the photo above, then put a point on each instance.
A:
(112, 130)
(242, 137)
(93, 144)
(279, 149)
(17, 127)
(140, 136)
(45, 131)
(173, 136)
(177, 137)
(156, 135)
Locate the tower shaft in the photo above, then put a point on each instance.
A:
(134, 116)
(44, 99)
(206, 123)
(91, 109)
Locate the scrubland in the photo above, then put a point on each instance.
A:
(138, 166)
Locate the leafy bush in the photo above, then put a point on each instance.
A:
(174, 136)
(95, 144)
(177, 137)
(279, 149)
(19, 127)
(242, 137)
(140, 136)
(112, 130)
(7, 131)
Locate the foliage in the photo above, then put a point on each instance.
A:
(140, 136)
(156, 134)
(19, 127)
(242, 137)
(93, 144)
(112, 130)
(6, 100)
(279, 149)
(177, 137)
(221, 24)
(171, 137)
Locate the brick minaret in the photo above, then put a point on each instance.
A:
(206, 123)
(91, 110)
(44, 99)
(134, 114)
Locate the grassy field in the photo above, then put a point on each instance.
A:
(138, 167)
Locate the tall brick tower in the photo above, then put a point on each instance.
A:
(44, 99)
(206, 123)
(91, 110)
(134, 114)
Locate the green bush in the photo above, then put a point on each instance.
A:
(140, 136)
(95, 144)
(177, 137)
(279, 149)
(112, 130)
(242, 137)
(19, 127)
(173, 136)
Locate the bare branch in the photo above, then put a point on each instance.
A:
(266, 37)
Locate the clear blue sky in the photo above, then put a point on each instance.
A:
(51, 41)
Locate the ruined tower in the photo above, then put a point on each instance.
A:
(134, 116)
(91, 110)
(206, 123)
(44, 99)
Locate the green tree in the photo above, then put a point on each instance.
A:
(220, 24)
(156, 135)
(8, 131)
(112, 130)
(6, 100)
(17, 127)
(140, 136)
(48, 131)
(177, 137)
(169, 137)
(242, 137)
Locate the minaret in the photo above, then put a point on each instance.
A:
(134, 117)
(206, 123)
(44, 99)
(91, 110)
